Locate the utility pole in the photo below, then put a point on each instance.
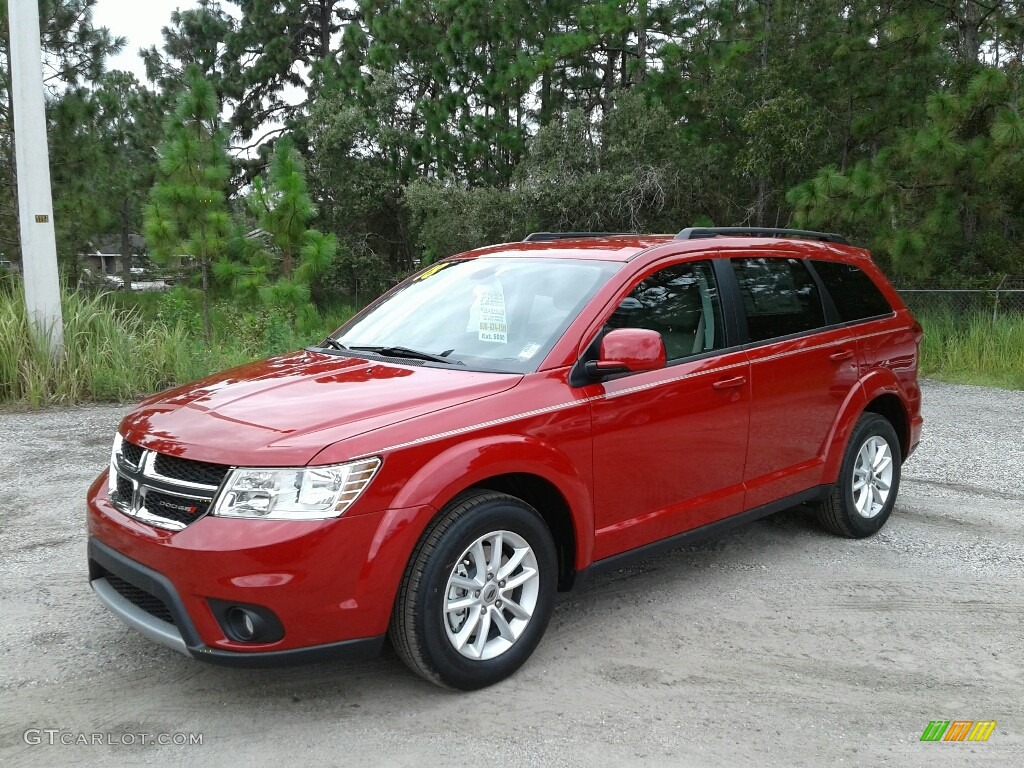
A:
(35, 203)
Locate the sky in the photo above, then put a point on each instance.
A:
(138, 20)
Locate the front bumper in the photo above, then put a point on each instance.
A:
(180, 634)
(331, 583)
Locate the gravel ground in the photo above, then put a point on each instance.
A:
(775, 645)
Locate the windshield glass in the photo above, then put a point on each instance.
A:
(495, 314)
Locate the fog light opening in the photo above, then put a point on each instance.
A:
(244, 623)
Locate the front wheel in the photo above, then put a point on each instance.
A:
(477, 593)
(863, 496)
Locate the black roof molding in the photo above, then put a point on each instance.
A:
(544, 237)
(694, 233)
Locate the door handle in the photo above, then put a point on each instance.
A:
(843, 354)
(735, 381)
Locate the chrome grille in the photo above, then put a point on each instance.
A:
(132, 454)
(125, 490)
(164, 491)
(198, 472)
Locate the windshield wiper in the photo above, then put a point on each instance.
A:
(413, 354)
(333, 344)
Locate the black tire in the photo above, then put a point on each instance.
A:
(420, 625)
(839, 511)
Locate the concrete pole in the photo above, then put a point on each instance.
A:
(35, 203)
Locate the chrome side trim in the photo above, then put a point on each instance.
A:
(136, 618)
(620, 393)
(791, 352)
(559, 407)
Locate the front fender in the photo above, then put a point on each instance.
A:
(469, 463)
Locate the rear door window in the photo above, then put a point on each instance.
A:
(855, 295)
(779, 296)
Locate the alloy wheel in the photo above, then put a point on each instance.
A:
(491, 595)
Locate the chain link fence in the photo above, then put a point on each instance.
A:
(1005, 299)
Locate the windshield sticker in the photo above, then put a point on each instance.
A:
(492, 325)
(432, 271)
(529, 351)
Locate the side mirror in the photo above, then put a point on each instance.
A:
(628, 350)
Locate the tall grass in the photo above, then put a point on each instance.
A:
(973, 348)
(107, 355)
(114, 351)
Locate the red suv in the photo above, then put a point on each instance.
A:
(492, 430)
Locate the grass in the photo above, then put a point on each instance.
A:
(121, 347)
(973, 348)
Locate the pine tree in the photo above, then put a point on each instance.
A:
(285, 256)
(128, 129)
(285, 45)
(187, 218)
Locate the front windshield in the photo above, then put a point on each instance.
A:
(495, 314)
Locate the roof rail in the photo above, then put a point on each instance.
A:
(693, 233)
(542, 237)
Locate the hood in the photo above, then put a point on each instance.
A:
(285, 410)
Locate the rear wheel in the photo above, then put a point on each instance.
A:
(477, 593)
(869, 479)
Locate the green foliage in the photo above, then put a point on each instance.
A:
(127, 129)
(283, 208)
(946, 196)
(196, 37)
(187, 219)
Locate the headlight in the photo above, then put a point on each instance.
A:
(306, 493)
(112, 472)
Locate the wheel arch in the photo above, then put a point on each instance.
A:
(547, 499)
(895, 412)
(879, 392)
(520, 466)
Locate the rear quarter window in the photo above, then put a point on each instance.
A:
(854, 294)
(779, 297)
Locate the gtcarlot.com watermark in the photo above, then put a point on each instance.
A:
(61, 737)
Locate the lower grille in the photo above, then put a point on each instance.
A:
(152, 605)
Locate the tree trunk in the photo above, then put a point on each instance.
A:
(970, 32)
(126, 249)
(762, 201)
(207, 331)
(761, 205)
(608, 82)
(641, 41)
(766, 31)
(545, 97)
